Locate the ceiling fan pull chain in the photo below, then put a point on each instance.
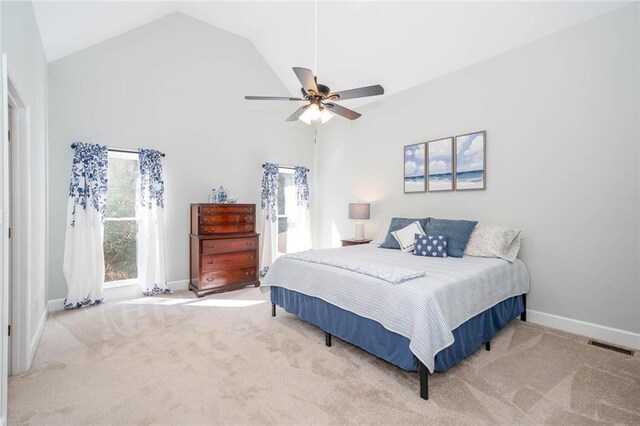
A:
(315, 37)
(320, 100)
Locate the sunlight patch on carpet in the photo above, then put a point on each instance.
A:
(227, 303)
(156, 301)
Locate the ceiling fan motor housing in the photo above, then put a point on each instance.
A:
(322, 89)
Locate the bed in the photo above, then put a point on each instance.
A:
(427, 323)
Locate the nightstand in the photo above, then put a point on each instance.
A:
(354, 242)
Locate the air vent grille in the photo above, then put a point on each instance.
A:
(611, 347)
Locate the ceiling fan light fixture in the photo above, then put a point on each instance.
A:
(325, 115)
(315, 114)
(311, 114)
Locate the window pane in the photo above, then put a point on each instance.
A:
(286, 195)
(285, 183)
(121, 191)
(120, 250)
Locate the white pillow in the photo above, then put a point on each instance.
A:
(406, 236)
(382, 233)
(494, 241)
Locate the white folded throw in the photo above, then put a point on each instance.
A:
(357, 261)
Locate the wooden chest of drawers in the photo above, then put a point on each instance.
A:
(224, 247)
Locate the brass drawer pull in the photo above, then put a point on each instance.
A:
(211, 262)
(209, 279)
(212, 246)
(250, 257)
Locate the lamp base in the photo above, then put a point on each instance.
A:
(358, 231)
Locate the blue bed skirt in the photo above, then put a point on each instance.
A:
(392, 347)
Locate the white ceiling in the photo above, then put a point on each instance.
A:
(396, 44)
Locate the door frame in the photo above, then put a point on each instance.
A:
(4, 267)
(20, 219)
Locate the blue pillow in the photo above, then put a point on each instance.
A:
(458, 232)
(431, 245)
(399, 223)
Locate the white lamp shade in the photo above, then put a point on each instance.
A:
(313, 113)
(359, 211)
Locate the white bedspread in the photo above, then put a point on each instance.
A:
(425, 310)
(358, 261)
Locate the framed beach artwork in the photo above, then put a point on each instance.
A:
(414, 168)
(440, 165)
(470, 161)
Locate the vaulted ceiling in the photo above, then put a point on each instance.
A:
(396, 44)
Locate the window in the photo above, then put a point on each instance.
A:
(286, 195)
(120, 225)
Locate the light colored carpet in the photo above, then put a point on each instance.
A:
(224, 360)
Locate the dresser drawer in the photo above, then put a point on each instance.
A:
(227, 208)
(227, 219)
(228, 276)
(229, 260)
(233, 228)
(228, 245)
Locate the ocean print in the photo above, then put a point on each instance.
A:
(414, 156)
(470, 161)
(440, 165)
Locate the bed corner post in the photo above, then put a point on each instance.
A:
(523, 315)
(273, 309)
(424, 381)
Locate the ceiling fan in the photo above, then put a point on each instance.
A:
(321, 100)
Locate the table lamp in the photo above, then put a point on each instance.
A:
(359, 212)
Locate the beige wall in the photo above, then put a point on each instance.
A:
(176, 85)
(561, 116)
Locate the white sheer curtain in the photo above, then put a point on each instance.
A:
(297, 207)
(151, 255)
(83, 264)
(269, 249)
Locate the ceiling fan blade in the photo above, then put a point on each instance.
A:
(306, 78)
(272, 98)
(342, 111)
(297, 114)
(360, 92)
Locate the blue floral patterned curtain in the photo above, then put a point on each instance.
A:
(269, 203)
(151, 182)
(302, 186)
(270, 190)
(150, 212)
(83, 265)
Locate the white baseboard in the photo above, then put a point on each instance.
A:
(37, 335)
(55, 305)
(594, 331)
(121, 293)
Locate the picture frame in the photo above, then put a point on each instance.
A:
(470, 161)
(414, 168)
(440, 165)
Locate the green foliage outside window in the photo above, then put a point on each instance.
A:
(120, 227)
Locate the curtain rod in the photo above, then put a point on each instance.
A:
(130, 151)
(286, 167)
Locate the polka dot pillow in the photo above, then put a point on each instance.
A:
(431, 245)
